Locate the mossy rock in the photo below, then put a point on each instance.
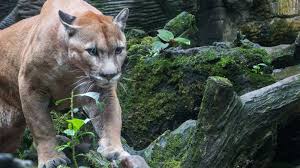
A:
(272, 32)
(162, 92)
(182, 23)
(169, 149)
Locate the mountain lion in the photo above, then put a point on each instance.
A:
(69, 46)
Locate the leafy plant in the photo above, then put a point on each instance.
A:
(258, 69)
(165, 39)
(75, 124)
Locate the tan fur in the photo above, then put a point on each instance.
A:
(39, 62)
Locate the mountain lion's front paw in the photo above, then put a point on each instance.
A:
(54, 162)
(111, 153)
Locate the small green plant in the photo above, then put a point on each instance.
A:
(258, 69)
(166, 39)
(73, 130)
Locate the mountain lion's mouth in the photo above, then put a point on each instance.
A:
(104, 82)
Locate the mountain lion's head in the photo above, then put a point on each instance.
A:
(96, 44)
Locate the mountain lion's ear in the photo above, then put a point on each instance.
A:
(67, 20)
(121, 19)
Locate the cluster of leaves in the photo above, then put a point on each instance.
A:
(259, 68)
(167, 39)
(73, 130)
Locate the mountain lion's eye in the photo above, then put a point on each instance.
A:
(92, 51)
(119, 50)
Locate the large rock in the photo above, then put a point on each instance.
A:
(181, 23)
(279, 24)
(272, 32)
(283, 55)
(163, 91)
(266, 22)
(169, 149)
(8, 161)
(280, 74)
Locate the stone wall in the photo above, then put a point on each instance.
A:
(267, 22)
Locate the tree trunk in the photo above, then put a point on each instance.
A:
(240, 132)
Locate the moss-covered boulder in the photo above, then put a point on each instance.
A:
(161, 92)
(169, 149)
(181, 24)
(272, 32)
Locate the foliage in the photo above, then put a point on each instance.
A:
(258, 69)
(75, 124)
(165, 39)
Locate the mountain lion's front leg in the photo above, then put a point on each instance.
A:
(35, 108)
(108, 125)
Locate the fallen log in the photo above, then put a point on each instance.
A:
(240, 132)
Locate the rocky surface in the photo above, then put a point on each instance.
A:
(265, 22)
(8, 161)
(146, 14)
(280, 74)
(231, 130)
(163, 91)
(283, 55)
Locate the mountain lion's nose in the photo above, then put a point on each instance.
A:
(108, 76)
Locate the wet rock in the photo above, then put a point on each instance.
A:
(8, 161)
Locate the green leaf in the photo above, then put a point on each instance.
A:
(182, 41)
(58, 102)
(76, 123)
(93, 95)
(62, 147)
(157, 46)
(262, 65)
(165, 35)
(256, 67)
(69, 132)
(87, 133)
(96, 97)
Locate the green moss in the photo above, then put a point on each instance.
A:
(169, 149)
(167, 154)
(181, 23)
(165, 91)
(94, 159)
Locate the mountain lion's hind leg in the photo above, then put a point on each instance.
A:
(12, 125)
